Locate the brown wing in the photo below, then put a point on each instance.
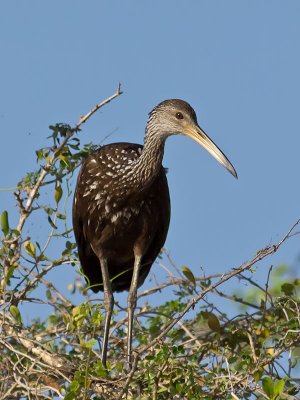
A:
(103, 219)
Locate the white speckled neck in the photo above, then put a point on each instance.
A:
(150, 161)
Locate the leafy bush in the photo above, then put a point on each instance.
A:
(184, 348)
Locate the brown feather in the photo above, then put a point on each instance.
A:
(117, 223)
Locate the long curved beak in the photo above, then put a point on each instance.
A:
(196, 133)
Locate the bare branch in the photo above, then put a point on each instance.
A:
(85, 117)
(50, 359)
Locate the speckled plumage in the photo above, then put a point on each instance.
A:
(108, 212)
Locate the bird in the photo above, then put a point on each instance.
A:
(121, 208)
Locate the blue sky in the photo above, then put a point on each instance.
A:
(236, 62)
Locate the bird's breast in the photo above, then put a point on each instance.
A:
(125, 214)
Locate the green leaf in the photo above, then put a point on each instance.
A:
(15, 312)
(288, 289)
(89, 345)
(97, 318)
(4, 223)
(119, 366)
(75, 385)
(58, 192)
(70, 396)
(278, 388)
(30, 249)
(99, 369)
(162, 389)
(178, 387)
(189, 275)
(51, 222)
(257, 375)
(10, 273)
(49, 210)
(61, 216)
(268, 387)
(40, 154)
(212, 321)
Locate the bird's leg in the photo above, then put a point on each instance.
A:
(108, 305)
(131, 304)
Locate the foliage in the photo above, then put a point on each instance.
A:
(188, 347)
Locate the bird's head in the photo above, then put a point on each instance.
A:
(175, 116)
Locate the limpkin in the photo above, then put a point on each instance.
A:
(121, 208)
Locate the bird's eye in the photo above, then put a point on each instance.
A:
(179, 115)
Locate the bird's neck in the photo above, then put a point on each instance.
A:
(150, 161)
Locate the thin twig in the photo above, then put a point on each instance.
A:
(130, 376)
(84, 118)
